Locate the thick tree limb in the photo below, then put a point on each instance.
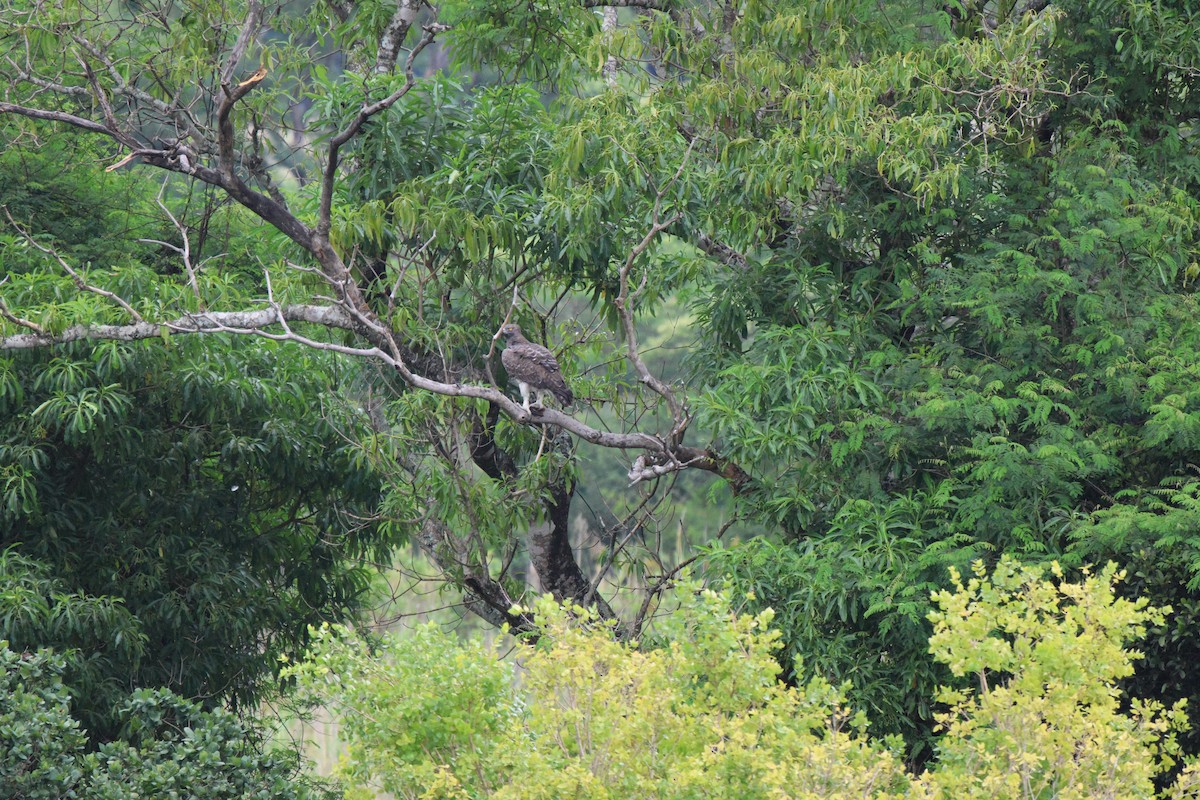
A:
(487, 455)
(394, 33)
(328, 316)
(649, 5)
(229, 180)
(550, 550)
(56, 116)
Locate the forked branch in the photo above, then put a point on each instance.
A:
(367, 111)
(626, 297)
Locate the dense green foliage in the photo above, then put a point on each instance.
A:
(171, 747)
(1006, 366)
(209, 495)
(702, 713)
(176, 516)
(930, 269)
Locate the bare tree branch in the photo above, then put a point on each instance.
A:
(172, 112)
(258, 322)
(184, 250)
(486, 597)
(247, 34)
(625, 298)
(7, 314)
(328, 316)
(664, 582)
(56, 116)
(679, 458)
(110, 116)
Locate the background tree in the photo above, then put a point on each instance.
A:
(172, 747)
(997, 371)
(177, 515)
(224, 522)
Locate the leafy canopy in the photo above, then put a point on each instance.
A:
(170, 747)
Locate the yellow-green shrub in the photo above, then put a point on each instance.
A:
(702, 714)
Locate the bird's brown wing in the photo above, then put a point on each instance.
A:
(536, 366)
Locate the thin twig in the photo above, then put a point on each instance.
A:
(75, 276)
(367, 111)
(14, 319)
(185, 252)
(666, 579)
(625, 298)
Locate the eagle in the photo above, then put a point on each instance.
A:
(533, 366)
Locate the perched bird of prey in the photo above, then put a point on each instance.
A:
(534, 367)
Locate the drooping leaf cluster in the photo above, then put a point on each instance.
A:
(216, 495)
(170, 747)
